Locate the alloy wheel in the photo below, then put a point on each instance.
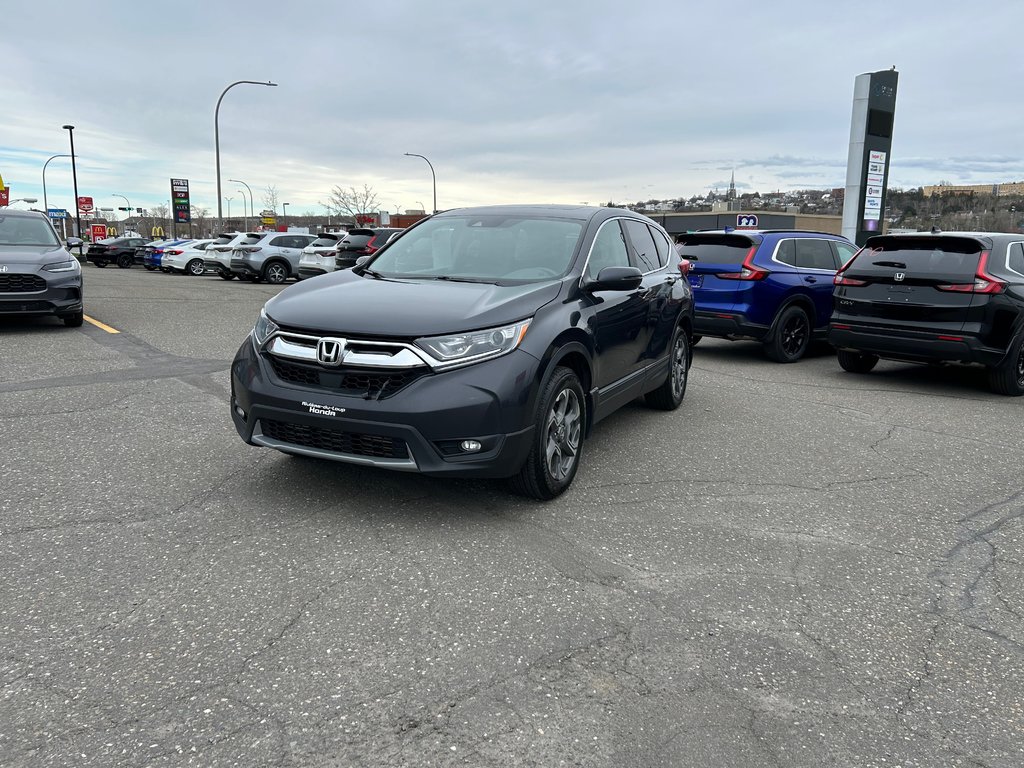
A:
(680, 366)
(563, 430)
(794, 335)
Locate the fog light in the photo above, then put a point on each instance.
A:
(240, 412)
(470, 446)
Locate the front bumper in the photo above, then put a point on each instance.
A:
(913, 346)
(417, 429)
(62, 295)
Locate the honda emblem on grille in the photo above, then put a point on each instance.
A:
(330, 351)
(898, 277)
(3, 268)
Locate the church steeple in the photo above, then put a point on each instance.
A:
(732, 185)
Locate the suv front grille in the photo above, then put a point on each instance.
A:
(370, 385)
(21, 283)
(335, 441)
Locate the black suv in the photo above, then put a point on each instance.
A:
(934, 297)
(481, 342)
(361, 242)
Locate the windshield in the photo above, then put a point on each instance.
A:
(26, 230)
(483, 248)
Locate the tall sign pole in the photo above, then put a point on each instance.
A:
(867, 165)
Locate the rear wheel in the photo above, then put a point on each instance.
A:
(557, 439)
(100, 263)
(125, 261)
(792, 334)
(195, 267)
(225, 275)
(670, 394)
(276, 273)
(856, 362)
(150, 267)
(1007, 378)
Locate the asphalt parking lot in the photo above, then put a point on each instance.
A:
(799, 567)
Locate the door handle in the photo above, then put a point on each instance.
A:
(811, 279)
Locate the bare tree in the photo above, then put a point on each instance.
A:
(352, 203)
(199, 216)
(271, 198)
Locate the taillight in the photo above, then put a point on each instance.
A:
(685, 265)
(173, 253)
(747, 270)
(983, 281)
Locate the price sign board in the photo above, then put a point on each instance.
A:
(180, 203)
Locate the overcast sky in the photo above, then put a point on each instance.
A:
(556, 101)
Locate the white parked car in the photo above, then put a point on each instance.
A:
(320, 256)
(218, 253)
(186, 258)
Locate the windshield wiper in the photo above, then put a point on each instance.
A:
(451, 279)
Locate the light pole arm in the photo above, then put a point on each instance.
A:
(46, 204)
(216, 139)
(433, 176)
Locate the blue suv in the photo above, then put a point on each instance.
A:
(773, 286)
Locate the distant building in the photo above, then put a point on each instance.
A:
(1013, 188)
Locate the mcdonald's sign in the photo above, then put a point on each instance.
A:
(157, 232)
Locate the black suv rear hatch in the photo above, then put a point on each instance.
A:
(914, 283)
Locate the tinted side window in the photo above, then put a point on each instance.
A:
(1015, 259)
(812, 253)
(663, 245)
(644, 252)
(608, 250)
(786, 253)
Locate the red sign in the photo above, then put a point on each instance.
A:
(85, 204)
(99, 231)
(5, 195)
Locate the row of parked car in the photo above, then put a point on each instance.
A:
(273, 257)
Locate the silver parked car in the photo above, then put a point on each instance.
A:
(269, 256)
(185, 258)
(218, 253)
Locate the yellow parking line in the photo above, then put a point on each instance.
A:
(98, 324)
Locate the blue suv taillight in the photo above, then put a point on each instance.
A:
(747, 269)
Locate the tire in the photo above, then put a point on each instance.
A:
(125, 261)
(856, 362)
(196, 267)
(695, 340)
(100, 263)
(791, 336)
(225, 275)
(1007, 378)
(670, 394)
(150, 267)
(557, 439)
(276, 272)
(75, 320)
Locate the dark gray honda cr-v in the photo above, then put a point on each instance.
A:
(481, 342)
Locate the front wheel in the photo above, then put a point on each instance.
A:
(100, 263)
(557, 439)
(1007, 378)
(669, 395)
(791, 337)
(75, 320)
(856, 362)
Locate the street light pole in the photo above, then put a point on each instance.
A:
(284, 214)
(228, 201)
(432, 175)
(45, 203)
(216, 139)
(129, 213)
(74, 178)
(252, 210)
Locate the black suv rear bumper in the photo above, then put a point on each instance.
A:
(913, 346)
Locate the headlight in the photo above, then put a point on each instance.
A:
(63, 266)
(471, 347)
(265, 327)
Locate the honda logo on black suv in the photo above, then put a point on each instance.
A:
(330, 351)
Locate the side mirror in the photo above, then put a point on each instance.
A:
(616, 279)
(74, 242)
(362, 260)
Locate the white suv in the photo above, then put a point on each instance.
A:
(270, 256)
(218, 253)
(320, 256)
